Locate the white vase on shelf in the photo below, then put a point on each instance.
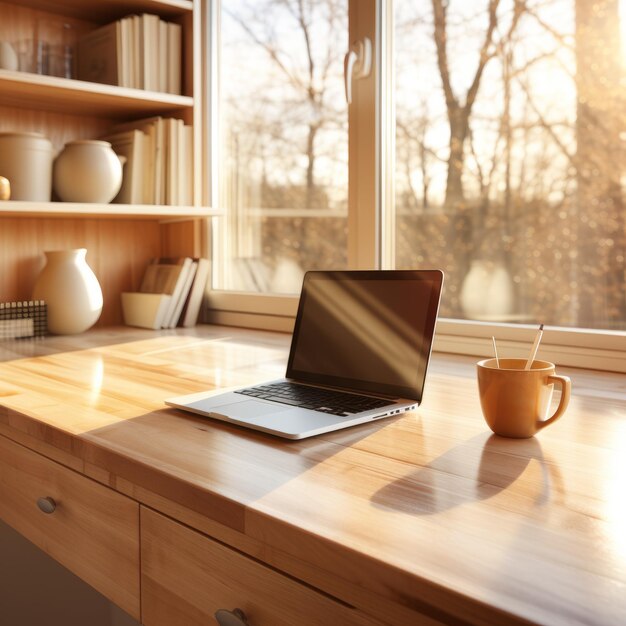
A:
(87, 170)
(71, 290)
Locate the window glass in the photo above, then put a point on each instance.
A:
(283, 142)
(510, 154)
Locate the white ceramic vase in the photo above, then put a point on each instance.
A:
(87, 170)
(71, 291)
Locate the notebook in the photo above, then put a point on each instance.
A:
(359, 352)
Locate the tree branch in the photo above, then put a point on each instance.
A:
(546, 126)
(484, 56)
(271, 51)
(440, 8)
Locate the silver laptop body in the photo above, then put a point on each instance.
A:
(361, 342)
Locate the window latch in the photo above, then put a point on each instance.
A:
(357, 64)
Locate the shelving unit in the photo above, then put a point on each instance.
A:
(109, 10)
(163, 213)
(49, 93)
(120, 239)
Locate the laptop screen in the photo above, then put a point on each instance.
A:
(366, 330)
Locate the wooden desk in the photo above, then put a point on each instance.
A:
(426, 518)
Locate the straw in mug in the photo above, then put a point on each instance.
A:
(533, 350)
(495, 350)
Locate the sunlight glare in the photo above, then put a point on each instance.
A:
(622, 28)
(615, 501)
(96, 379)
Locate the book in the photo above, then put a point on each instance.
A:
(160, 278)
(174, 320)
(174, 57)
(148, 164)
(185, 170)
(150, 46)
(167, 275)
(127, 67)
(181, 157)
(171, 161)
(122, 71)
(163, 62)
(130, 144)
(97, 55)
(160, 155)
(137, 51)
(154, 162)
(167, 159)
(191, 310)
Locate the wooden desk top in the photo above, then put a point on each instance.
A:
(427, 511)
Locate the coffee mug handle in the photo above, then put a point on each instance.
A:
(566, 390)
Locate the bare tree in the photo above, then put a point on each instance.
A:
(460, 109)
(413, 153)
(308, 61)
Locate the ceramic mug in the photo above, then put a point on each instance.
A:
(516, 401)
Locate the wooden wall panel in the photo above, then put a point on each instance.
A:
(58, 128)
(117, 251)
(17, 24)
(183, 238)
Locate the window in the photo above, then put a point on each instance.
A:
(488, 142)
(510, 157)
(283, 142)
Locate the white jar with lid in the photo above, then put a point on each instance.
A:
(26, 161)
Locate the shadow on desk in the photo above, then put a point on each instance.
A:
(446, 482)
(200, 462)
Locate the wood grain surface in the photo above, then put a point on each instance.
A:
(427, 514)
(93, 531)
(187, 578)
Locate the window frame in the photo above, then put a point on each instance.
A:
(371, 215)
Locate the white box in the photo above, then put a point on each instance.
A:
(146, 310)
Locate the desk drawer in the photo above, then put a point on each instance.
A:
(90, 529)
(187, 577)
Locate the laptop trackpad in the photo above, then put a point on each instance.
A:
(246, 410)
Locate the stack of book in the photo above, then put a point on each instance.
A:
(170, 294)
(139, 51)
(159, 161)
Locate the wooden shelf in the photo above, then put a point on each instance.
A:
(63, 95)
(109, 10)
(104, 211)
(121, 238)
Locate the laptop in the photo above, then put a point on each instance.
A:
(359, 352)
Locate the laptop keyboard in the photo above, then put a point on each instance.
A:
(315, 398)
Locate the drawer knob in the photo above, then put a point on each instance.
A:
(46, 505)
(236, 617)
